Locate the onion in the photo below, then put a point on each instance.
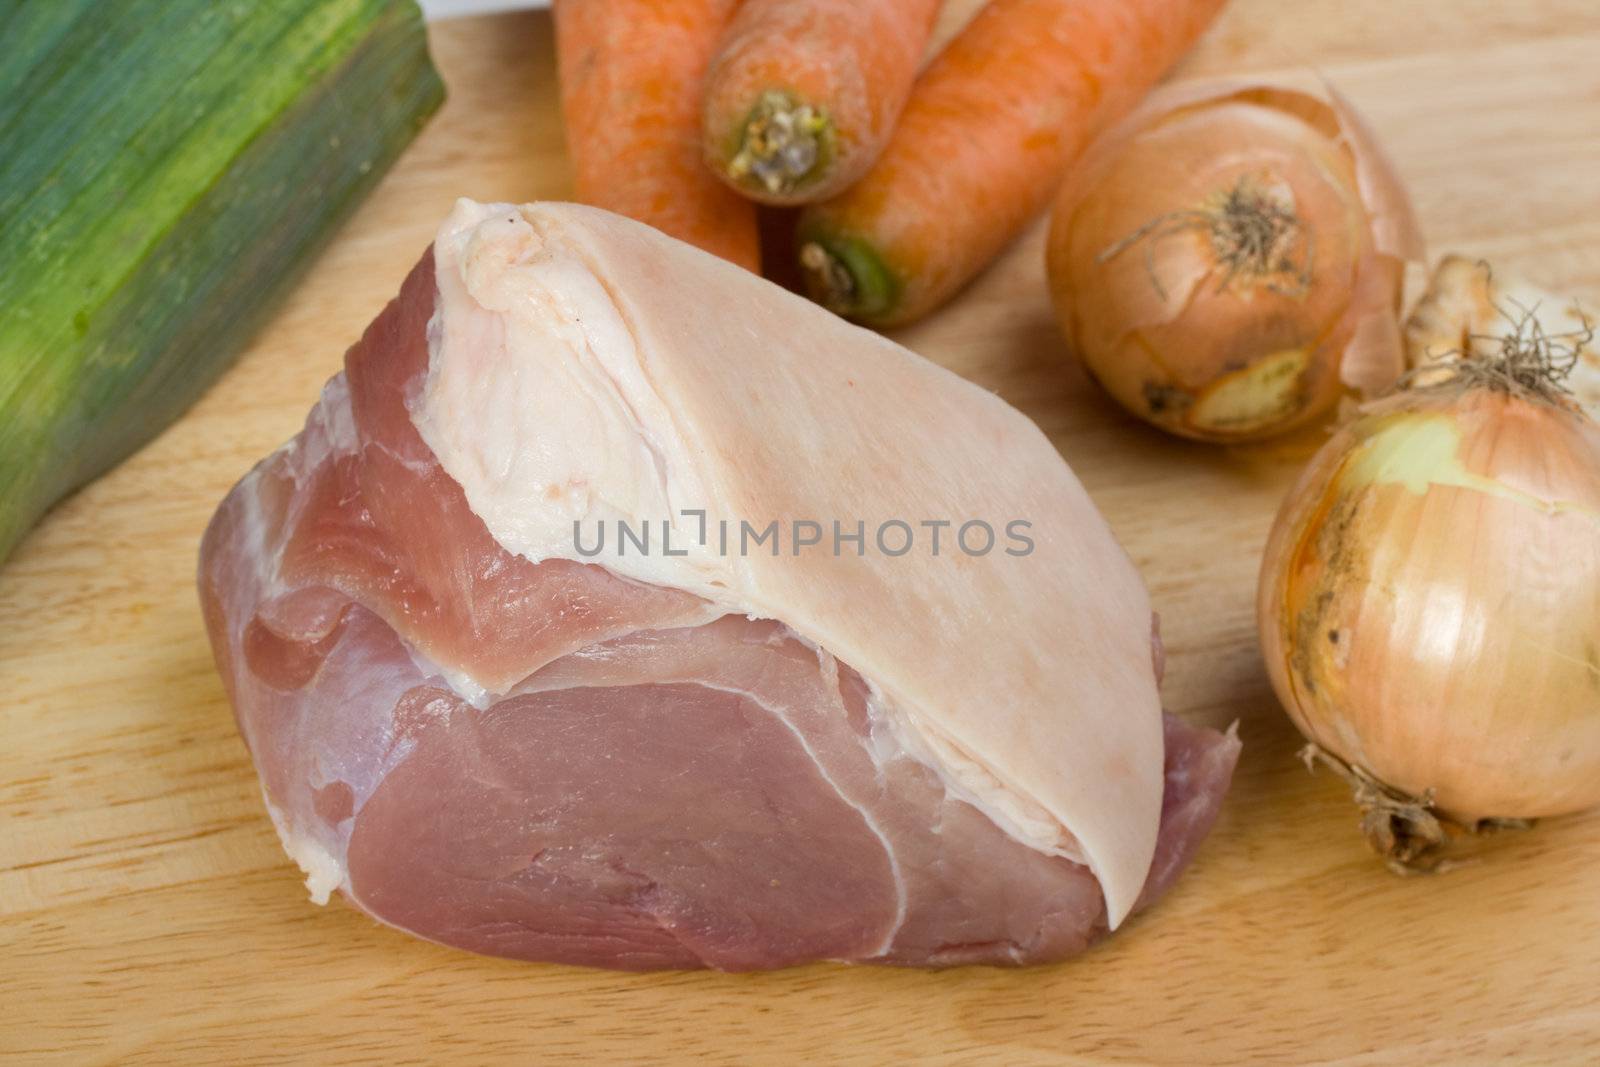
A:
(1229, 260)
(1429, 605)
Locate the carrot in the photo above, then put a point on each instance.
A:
(991, 128)
(804, 94)
(632, 74)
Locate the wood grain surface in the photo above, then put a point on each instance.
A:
(147, 913)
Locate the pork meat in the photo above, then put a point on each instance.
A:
(483, 732)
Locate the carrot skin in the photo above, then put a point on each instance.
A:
(632, 77)
(991, 128)
(804, 94)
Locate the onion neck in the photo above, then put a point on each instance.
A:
(1409, 832)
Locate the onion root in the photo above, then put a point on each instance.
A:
(1525, 360)
(1254, 232)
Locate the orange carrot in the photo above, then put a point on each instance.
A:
(632, 78)
(804, 94)
(991, 128)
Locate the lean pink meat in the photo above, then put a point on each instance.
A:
(485, 731)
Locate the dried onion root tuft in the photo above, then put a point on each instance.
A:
(1471, 313)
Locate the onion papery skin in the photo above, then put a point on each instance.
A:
(1429, 604)
(1182, 339)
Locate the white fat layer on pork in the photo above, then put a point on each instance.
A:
(324, 871)
(585, 369)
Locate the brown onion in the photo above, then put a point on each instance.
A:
(1229, 260)
(1429, 605)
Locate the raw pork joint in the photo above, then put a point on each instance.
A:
(483, 736)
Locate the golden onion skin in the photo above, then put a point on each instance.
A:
(1429, 603)
(1173, 332)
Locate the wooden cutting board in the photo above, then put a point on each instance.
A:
(147, 913)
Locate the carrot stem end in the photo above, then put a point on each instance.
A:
(784, 144)
(846, 276)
